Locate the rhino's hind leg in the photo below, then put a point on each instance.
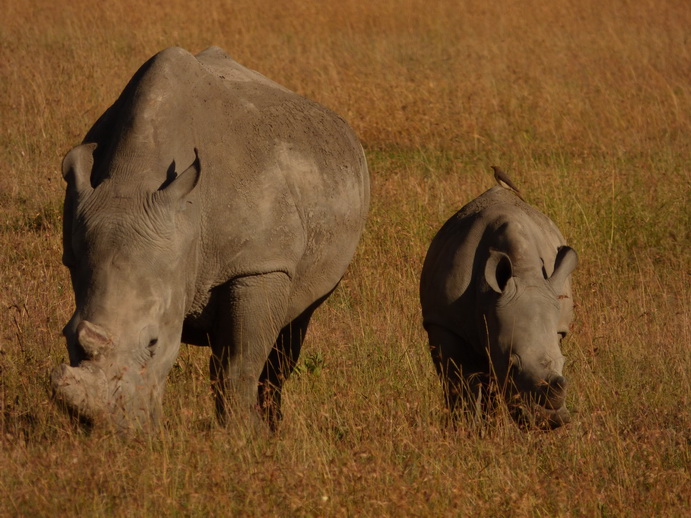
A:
(278, 367)
(249, 319)
(281, 362)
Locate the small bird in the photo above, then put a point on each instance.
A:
(503, 179)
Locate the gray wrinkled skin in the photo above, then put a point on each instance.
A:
(496, 301)
(209, 205)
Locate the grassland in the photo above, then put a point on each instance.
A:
(586, 103)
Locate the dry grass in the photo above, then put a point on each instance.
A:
(587, 104)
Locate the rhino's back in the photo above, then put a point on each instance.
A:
(177, 100)
(297, 180)
(496, 219)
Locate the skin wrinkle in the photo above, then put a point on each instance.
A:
(142, 228)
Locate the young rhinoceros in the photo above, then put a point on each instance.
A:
(496, 301)
(233, 250)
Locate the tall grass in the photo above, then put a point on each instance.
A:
(588, 106)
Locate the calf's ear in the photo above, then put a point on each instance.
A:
(498, 270)
(564, 264)
(77, 166)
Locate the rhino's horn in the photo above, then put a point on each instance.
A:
(93, 339)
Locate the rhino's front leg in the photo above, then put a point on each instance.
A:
(458, 368)
(249, 319)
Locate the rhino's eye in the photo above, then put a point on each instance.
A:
(152, 345)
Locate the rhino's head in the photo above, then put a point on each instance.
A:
(527, 312)
(126, 250)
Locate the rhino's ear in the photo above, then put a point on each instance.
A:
(564, 264)
(77, 166)
(184, 183)
(498, 270)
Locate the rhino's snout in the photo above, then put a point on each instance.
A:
(115, 396)
(543, 405)
(548, 391)
(554, 392)
(81, 390)
(103, 384)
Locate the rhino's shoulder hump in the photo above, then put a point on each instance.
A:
(498, 206)
(172, 61)
(492, 204)
(175, 69)
(147, 81)
(163, 75)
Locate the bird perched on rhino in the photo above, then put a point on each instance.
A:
(504, 181)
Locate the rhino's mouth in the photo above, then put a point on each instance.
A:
(532, 415)
(538, 404)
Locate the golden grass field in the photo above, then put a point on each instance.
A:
(587, 104)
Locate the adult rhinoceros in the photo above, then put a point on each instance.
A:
(496, 300)
(208, 205)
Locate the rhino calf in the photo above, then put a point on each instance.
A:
(496, 301)
(233, 250)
